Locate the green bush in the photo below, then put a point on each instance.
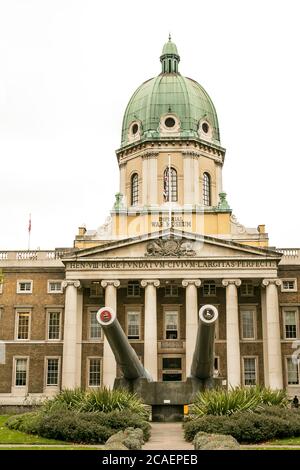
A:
(104, 400)
(69, 425)
(225, 402)
(258, 426)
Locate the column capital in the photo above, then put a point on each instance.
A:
(70, 282)
(150, 155)
(267, 282)
(147, 282)
(111, 282)
(195, 282)
(228, 282)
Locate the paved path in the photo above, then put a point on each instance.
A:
(167, 436)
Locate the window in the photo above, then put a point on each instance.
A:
(216, 366)
(133, 289)
(95, 329)
(171, 325)
(171, 369)
(206, 190)
(170, 180)
(289, 285)
(292, 371)
(290, 324)
(96, 290)
(209, 288)
(249, 370)
(55, 287)
(23, 325)
(133, 325)
(24, 287)
(171, 290)
(94, 372)
(247, 289)
(52, 372)
(134, 189)
(21, 372)
(248, 324)
(1, 285)
(54, 325)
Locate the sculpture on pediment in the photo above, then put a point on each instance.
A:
(170, 247)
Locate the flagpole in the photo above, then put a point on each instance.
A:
(29, 232)
(170, 212)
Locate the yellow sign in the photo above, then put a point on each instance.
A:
(185, 409)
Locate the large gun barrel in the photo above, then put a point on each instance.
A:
(203, 359)
(124, 353)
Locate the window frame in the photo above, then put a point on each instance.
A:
(89, 358)
(14, 372)
(206, 189)
(134, 284)
(134, 189)
(50, 310)
(166, 310)
(253, 309)
(287, 310)
(90, 311)
(171, 286)
(49, 291)
(133, 309)
(209, 284)
(246, 284)
(287, 374)
(101, 291)
(174, 184)
(20, 281)
(172, 371)
(18, 312)
(289, 279)
(256, 370)
(46, 385)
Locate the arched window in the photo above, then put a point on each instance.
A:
(206, 190)
(134, 189)
(170, 179)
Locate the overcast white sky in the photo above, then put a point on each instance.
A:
(68, 69)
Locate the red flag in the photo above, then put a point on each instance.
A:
(29, 224)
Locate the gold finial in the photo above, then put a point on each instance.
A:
(170, 37)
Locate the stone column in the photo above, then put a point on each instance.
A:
(265, 336)
(71, 367)
(273, 334)
(232, 333)
(122, 167)
(191, 320)
(196, 199)
(149, 179)
(144, 201)
(150, 328)
(109, 366)
(218, 180)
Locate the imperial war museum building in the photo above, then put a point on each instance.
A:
(170, 245)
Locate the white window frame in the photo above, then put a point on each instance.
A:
(138, 310)
(48, 312)
(246, 308)
(171, 287)
(284, 311)
(88, 359)
(256, 370)
(249, 289)
(209, 284)
(166, 310)
(92, 310)
(95, 295)
(46, 386)
(20, 281)
(285, 279)
(56, 281)
(287, 375)
(133, 295)
(14, 376)
(17, 315)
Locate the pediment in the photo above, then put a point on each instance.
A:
(173, 244)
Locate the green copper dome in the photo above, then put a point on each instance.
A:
(190, 110)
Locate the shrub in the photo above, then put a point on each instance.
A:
(258, 426)
(226, 402)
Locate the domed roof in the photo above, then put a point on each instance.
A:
(169, 95)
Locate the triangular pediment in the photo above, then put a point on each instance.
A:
(173, 244)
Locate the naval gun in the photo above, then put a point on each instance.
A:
(166, 398)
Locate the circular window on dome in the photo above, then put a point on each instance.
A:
(205, 127)
(134, 129)
(170, 122)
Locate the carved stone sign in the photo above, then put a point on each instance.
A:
(103, 265)
(170, 247)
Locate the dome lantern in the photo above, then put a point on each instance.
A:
(169, 57)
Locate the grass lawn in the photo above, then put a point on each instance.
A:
(9, 436)
(288, 441)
